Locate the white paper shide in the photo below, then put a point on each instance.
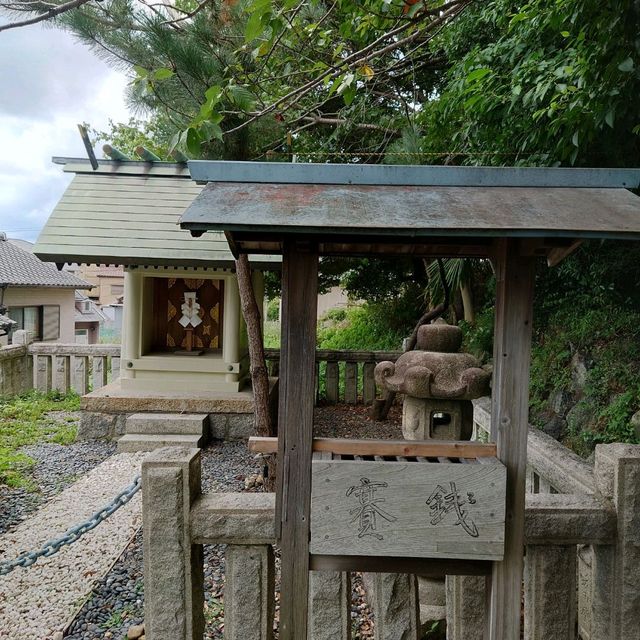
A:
(190, 311)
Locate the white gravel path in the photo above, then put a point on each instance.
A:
(38, 601)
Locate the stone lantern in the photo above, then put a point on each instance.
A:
(438, 383)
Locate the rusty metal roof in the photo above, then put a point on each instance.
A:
(415, 211)
(463, 210)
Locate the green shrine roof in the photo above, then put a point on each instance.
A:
(127, 213)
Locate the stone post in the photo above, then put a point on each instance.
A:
(232, 316)
(99, 369)
(616, 572)
(550, 592)
(466, 596)
(61, 374)
(329, 605)
(394, 600)
(22, 337)
(42, 372)
(173, 566)
(596, 592)
(80, 374)
(249, 592)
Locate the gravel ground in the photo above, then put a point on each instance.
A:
(56, 468)
(37, 601)
(353, 421)
(116, 602)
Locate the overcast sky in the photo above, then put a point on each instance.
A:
(48, 84)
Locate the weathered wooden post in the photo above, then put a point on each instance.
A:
(295, 430)
(510, 425)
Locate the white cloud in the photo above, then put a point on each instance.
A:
(48, 84)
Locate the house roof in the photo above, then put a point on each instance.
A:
(20, 268)
(126, 213)
(93, 315)
(356, 208)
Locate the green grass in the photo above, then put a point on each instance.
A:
(272, 334)
(23, 421)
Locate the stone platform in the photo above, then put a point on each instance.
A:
(113, 398)
(105, 411)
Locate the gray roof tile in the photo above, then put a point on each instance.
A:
(20, 268)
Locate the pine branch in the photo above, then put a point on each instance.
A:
(353, 61)
(47, 15)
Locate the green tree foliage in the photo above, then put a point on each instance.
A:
(153, 134)
(542, 82)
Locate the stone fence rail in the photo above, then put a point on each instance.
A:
(48, 366)
(342, 376)
(582, 561)
(81, 367)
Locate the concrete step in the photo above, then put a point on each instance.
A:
(131, 442)
(165, 423)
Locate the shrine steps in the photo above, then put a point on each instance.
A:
(149, 431)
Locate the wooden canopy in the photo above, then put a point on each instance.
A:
(308, 210)
(373, 209)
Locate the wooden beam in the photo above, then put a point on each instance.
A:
(509, 427)
(295, 429)
(426, 448)
(558, 254)
(432, 568)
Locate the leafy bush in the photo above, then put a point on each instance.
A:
(273, 310)
(364, 328)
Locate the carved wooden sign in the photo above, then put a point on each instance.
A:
(408, 509)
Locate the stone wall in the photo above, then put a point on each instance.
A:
(16, 366)
(16, 376)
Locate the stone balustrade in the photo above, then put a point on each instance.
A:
(47, 366)
(342, 376)
(81, 367)
(602, 598)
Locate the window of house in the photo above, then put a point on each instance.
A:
(117, 289)
(42, 321)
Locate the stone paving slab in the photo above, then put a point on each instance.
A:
(37, 601)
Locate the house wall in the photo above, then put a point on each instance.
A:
(93, 332)
(95, 275)
(145, 370)
(110, 289)
(335, 298)
(37, 296)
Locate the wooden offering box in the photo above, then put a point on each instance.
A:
(399, 506)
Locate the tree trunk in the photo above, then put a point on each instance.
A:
(258, 363)
(467, 303)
